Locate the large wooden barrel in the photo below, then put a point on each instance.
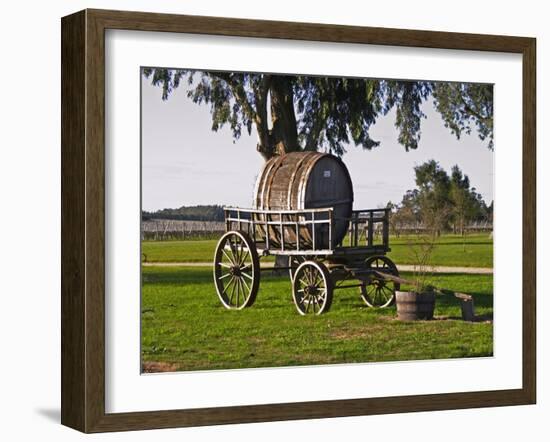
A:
(306, 180)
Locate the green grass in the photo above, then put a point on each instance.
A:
(451, 250)
(179, 251)
(184, 324)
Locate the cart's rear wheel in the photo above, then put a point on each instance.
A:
(312, 288)
(236, 270)
(378, 292)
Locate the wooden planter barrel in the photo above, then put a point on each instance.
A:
(305, 180)
(412, 306)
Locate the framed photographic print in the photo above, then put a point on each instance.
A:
(268, 221)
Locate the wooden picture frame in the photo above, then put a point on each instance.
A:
(83, 220)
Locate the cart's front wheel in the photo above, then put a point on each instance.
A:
(236, 270)
(293, 262)
(312, 288)
(378, 292)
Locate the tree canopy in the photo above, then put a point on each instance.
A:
(298, 112)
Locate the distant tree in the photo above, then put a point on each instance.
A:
(405, 214)
(490, 212)
(440, 200)
(188, 213)
(411, 204)
(460, 196)
(467, 204)
(433, 195)
(297, 112)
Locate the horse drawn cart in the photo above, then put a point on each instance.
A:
(303, 211)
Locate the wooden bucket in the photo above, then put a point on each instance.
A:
(412, 306)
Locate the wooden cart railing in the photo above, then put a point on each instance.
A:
(309, 231)
(368, 222)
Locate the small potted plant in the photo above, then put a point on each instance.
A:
(418, 303)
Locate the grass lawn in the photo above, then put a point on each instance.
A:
(451, 250)
(179, 251)
(185, 327)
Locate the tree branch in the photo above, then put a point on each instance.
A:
(238, 93)
(473, 112)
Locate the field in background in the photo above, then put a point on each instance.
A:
(184, 326)
(168, 229)
(474, 250)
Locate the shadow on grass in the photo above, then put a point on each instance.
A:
(168, 276)
(481, 299)
(488, 317)
(194, 275)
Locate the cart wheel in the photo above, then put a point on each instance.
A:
(379, 292)
(312, 288)
(236, 270)
(293, 262)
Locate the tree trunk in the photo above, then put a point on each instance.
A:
(283, 135)
(284, 131)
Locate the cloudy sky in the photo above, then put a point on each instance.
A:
(185, 163)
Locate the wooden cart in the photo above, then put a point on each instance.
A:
(318, 262)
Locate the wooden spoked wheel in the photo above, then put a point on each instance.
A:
(378, 292)
(236, 270)
(293, 262)
(312, 288)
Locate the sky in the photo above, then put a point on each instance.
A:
(185, 163)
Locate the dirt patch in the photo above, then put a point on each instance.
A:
(348, 334)
(356, 333)
(158, 367)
